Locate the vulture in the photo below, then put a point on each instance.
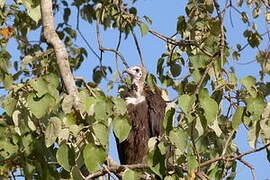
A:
(146, 111)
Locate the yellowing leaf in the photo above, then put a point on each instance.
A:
(33, 9)
(52, 131)
(6, 32)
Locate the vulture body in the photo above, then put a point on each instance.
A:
(145, 112)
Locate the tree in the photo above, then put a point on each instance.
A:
(55, 125)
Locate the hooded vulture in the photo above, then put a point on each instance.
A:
(145, 112)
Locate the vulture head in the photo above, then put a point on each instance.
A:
(137, 73)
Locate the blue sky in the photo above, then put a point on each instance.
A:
(164, 16)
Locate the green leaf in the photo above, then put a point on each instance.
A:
(255, 105)
(199, 127)
(130, 175)
(210, 108)
(179, 138)
(52, 79)
(151, 82)
(39, 85)
(102, 133)
(7, 148)
(41, 106)
(76, 173)
(87, 103)
(10, 104)
(121, 128)
(199, 61)
(119, 106)
(94, 156)
(181, 25)
(168, 120)
(237, 117)
(236, 55)
(144, 28)
(148, 20)
(244, 17)
(192, 163)
(8, 80)
(254, 39)
(175, 69)
(253, 134)
(248, 82)
(186, 102)
(52, 131)
(156, 162)
(65, 157)
(103, 109)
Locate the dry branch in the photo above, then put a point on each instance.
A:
(59, 48)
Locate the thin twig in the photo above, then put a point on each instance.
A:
(249, 166)
(118, 53)
(85, 84)
(232, 158)
(251, 151)
(205, 73)
(137, 46)
(116, 56)
(108, 171)
(180, 42)
(228, 142)
(194, 144)
(84, 39)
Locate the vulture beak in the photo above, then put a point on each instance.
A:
(128, 70)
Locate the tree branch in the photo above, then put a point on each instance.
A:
(250, 167)
(222, 43)
(232, 158)
(115, 169)
(180, 42)
(59, 48)
(118, 53)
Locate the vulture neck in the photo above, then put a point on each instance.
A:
(139, 85)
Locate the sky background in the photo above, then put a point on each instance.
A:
(164, 16)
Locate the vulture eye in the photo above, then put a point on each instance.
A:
(137, 70)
